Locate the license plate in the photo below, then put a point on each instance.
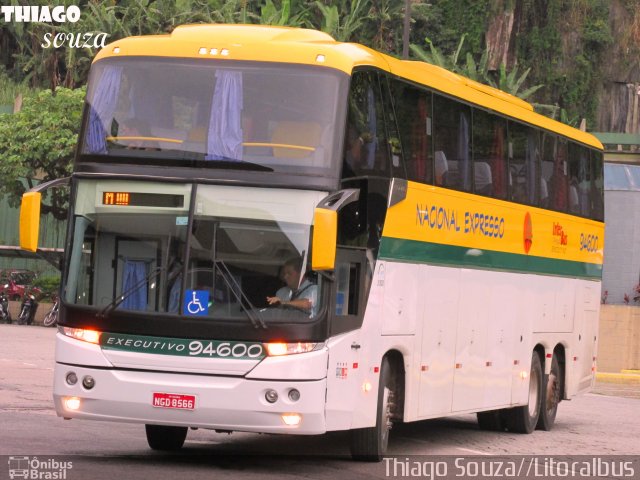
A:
(174, 400)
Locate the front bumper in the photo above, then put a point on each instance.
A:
(222, 402)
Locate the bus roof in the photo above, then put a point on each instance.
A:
(312, 47)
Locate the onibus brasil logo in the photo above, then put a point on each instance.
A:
(57, 14)
(36, 469)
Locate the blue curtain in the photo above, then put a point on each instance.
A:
(102, 107)
(134, 286)
(174, 295)
(225, 126)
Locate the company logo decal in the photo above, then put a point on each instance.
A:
(437, 217)
(560, 238)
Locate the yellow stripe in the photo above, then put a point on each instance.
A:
(441, 216)
(161, 139)
(278, 145)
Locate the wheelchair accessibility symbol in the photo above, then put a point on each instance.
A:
(196, 302)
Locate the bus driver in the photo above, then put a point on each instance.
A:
(298, 295)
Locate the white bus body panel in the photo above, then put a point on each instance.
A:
(472, 338)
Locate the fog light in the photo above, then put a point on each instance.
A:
(271, 396)
(72, 378)
(88, 382)
(72, 403)
(294, 395)
(524, 374)
(291, 418)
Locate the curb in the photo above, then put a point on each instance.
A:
(623, 377)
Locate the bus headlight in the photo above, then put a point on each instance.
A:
(277, 349)
(294, 395)
(89, 336)
(71, 378)
(291, 419)
(71, 403)
(88, 382)
(271, 396)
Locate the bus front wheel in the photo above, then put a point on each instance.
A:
(370, 444)
(161, 437)
(550, 396)
(524, 419)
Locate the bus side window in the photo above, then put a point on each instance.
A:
(489, 154)
(579, 181)
(366, 147)
(524, 164)
(597, 186)
(413, 111)
(555, 172)
(391, 124)
(452, 138)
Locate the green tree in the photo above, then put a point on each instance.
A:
(344, 20)
(37, 144)
(511, 83)
(508, 81)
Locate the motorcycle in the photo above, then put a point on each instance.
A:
(28, 309)
(51, 318)
(5, 314)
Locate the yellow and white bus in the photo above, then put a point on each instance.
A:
(271, 231)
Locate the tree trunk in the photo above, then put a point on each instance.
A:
(499, 38)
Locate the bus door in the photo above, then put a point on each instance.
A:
(346, 309)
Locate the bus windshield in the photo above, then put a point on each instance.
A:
(214, 114)
(132, 251)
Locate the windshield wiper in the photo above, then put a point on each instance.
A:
(118, 300)
(236, 289)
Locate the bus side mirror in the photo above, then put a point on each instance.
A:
(30, 213)
(30, 221)
(325, 237)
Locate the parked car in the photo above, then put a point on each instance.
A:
(14, 283)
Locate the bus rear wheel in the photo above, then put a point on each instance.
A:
(551, 397)
(161, 437)
(370, 444)
(524, 419)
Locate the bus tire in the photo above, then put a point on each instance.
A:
(524, 419)
(492, 421)
(370, 444)
(552, 393)
(161, 437)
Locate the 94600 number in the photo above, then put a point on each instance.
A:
(225, 349)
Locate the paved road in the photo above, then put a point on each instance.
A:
(592, 424)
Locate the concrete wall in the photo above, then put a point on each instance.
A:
(619, 338)
(621, 269)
